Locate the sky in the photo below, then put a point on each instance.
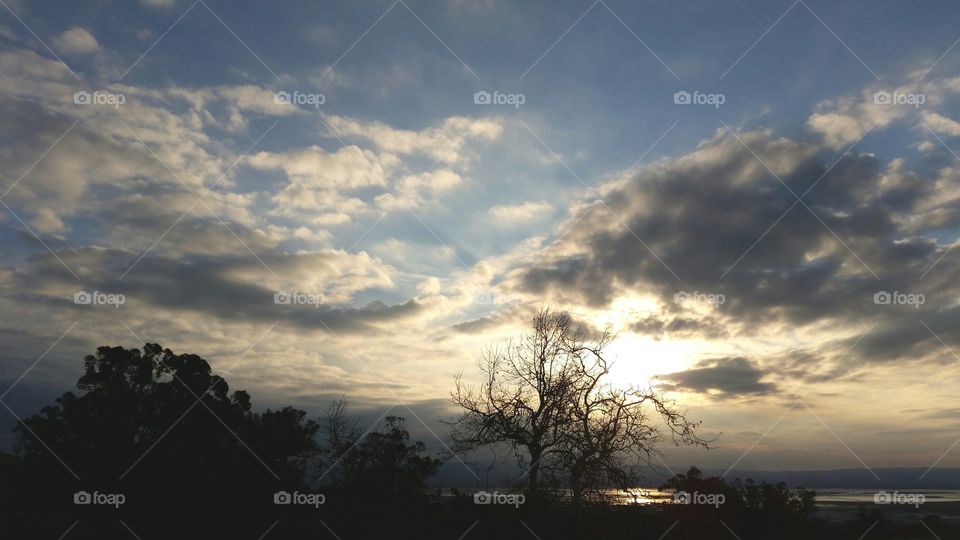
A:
(357, 197)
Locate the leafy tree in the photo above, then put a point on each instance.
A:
(167, 410)
(162, 429)
(382, 463)
(772, 501)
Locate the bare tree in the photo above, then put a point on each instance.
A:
(547, 398)
(615, 431)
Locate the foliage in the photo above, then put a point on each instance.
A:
(382, 463)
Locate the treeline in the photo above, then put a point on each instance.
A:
(157, 446)
(152, 444)
(156, 442)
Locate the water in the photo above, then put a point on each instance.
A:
(862, 496)
(826, 498)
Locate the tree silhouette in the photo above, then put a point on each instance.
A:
(380, 464)
(548, 398)
(154, 405)
(164, 430)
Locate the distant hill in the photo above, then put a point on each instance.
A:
(894, 477)
(454, 474)
(6, 459)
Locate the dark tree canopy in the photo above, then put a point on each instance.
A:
(163, 409)
(381, 464)
(165, 431)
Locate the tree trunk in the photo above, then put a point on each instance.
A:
(533, 476)
(577, 489)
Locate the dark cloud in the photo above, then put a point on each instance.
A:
(722, 378)
(486, 323)
(719, 220)
(679, 327)
(232, 288)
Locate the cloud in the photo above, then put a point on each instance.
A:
(339, 183)
(162, 4)
(845, 119)
(239, 288)
(716, 221)
(941, 124)
(350, 167)
(416, 189)
(722, 378)
(444, 142)
(7, 33)
(326, 186)
(76, 40)
(323, 34)
(680, 327)
(517, 214)
(409, 255)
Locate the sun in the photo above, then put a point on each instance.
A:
(638, 359)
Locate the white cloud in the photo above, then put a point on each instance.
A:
(323, 34)
(444, 142)
(46, 220)
(845, 119)
(414, 256)
(415, 189)
(429, 286)
(256, 99)
(349, 167)
(76, 40)
(510, 215)
(941, 124)
(162, 4)
(925, 146)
